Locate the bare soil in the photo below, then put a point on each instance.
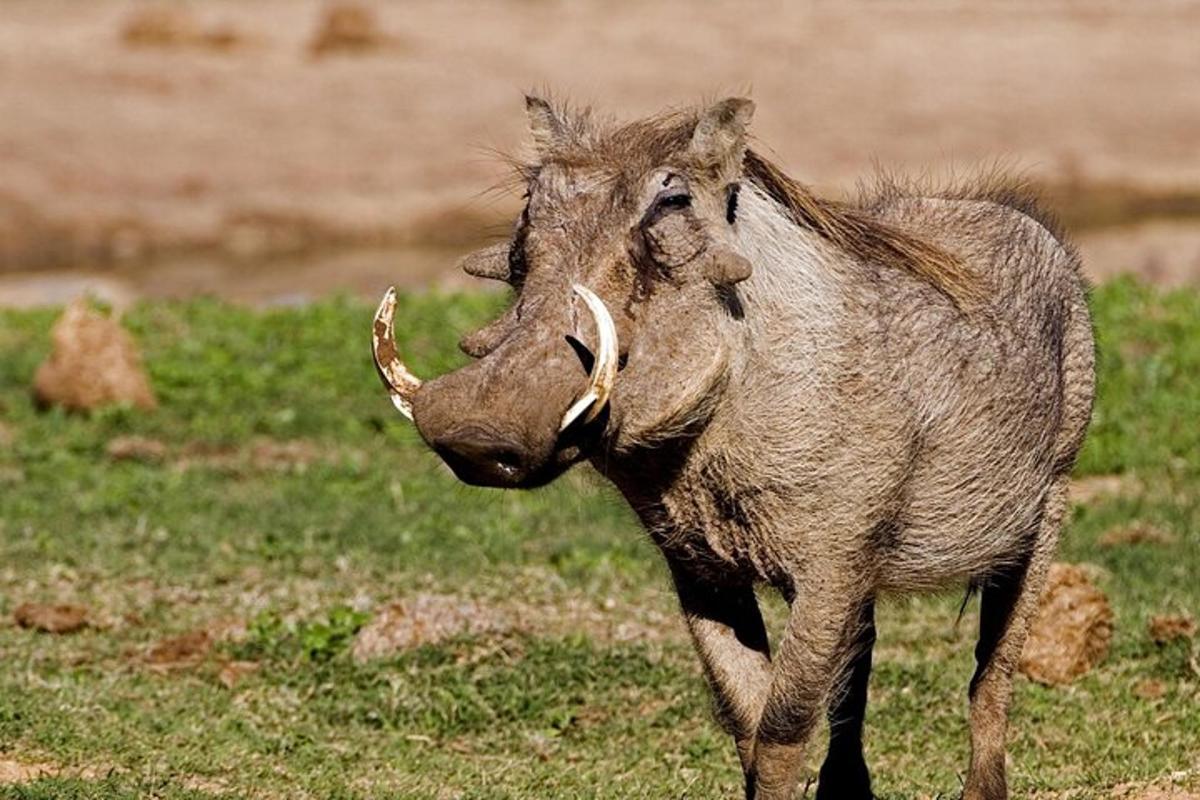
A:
(158, 151)
(51, 618)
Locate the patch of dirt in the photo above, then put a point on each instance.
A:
(13, 771)
(1162, 791)
(180, 651)
(57, 618)
(1096, 488)
(271, 454)
(1150, 689)
(232, 672)
(261, 453)
(1166, 628)
(1072, 630)
(135, 448)
(1135, 533)
(430, 618)
(425, 618)
(193, 647)
(348, 28)
(94, 363)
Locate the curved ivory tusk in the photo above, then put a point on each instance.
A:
(604, 369)
(401, 384)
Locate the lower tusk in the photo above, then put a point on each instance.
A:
(604, 369)
(578, 407)
(401, 384)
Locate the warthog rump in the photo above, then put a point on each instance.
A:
(836, 399)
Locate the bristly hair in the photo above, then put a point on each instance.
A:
(858, 231)
(854, 228)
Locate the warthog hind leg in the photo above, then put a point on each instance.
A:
(1008, 604)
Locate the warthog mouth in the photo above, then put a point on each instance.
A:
(482, 460)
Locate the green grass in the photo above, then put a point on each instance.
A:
(303, 555)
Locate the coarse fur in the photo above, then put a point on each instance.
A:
(841, 400)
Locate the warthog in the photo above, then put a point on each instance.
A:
(839, 400)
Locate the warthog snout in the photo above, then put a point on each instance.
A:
(521, 414)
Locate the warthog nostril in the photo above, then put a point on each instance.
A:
(481, 457)
(508, 459)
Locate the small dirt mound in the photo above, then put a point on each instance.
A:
(1072, 631)
(173, 27)
(348, 28)
(1166, 628)
(94, 363)
(180, 651)
(60, 618)
(424, 619)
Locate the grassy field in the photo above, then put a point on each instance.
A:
(288, 505)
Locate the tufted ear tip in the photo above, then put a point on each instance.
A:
(545, 124)
(735, 110)
(720, 134)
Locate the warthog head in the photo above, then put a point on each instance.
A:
(620, 334)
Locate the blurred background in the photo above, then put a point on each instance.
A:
(279, 150)
(229, 569)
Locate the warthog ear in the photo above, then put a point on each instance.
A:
(725, 267)
(490, 262)
(719, 139)
(547, 127)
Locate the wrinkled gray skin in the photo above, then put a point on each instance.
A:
(787, 412)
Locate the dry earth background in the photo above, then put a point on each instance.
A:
(158, 150)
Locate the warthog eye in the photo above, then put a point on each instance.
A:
(673, 201)
(666, 203)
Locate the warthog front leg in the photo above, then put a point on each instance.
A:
(817, 648)
(844, 775)
(728, 631)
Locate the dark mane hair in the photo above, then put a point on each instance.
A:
(857, 230)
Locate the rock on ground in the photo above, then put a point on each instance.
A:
(1072, 631)
(94, 363)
